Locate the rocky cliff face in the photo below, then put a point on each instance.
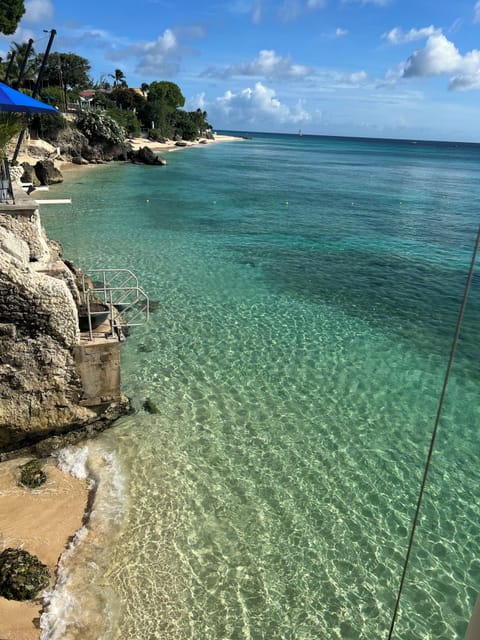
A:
(40, 388)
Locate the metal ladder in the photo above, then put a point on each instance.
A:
(118, 289)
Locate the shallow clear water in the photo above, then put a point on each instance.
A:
(308, 291)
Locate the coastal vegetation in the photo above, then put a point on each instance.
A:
(155, 108)
(11, 13)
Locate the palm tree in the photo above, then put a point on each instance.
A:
(21, 50)
(118, 78)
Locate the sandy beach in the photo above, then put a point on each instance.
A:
(33, 150)
(41, 521)
(170, 145)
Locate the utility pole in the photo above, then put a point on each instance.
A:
(53, 33)
(36, 88)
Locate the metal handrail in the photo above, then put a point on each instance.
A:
(6, 189)
(118, 289)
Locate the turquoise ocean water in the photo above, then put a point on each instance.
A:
(307, 293)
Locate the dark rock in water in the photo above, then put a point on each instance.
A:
(47, 173)
(146, 156)
(32, 475)
(22, 575)
(153, 305)
(150, 406)
(118, 152)
(143, 348)
(29, 174)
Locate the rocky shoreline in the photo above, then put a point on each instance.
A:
(41, 388)
(41, 163)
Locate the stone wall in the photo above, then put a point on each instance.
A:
(41, 387)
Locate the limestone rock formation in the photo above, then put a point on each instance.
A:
(42, 391)
(146, 156)
(47, 173)
(29, 174)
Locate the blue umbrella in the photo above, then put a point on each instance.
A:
(15, 101)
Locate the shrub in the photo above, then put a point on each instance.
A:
(126, 119)
(47, 126)
(98, 126)
(10, 125)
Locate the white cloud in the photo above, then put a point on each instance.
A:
(37, 11)
(20, 35)
(465, 82)
(441, 57)
(257, 105)
(354, 79)
(247, 7)
(476, 10)
(158, 56)
(397, 36)
(196, 102)
(292, 9)
(267, 64)
(334, 35)
(257, 12)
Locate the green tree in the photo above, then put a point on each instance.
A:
(126, 119)
(11, 12)
(164, 98)
(166, 93)
(118, 78)
(127, 98)
(10, 125)
(19, 50)
(102, 84)
(103, 100)
(185, 125)
(67, 70)
(190, 124)
(47, 126)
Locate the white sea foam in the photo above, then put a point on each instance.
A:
(77, 608)
(74, 460)
(60, 604)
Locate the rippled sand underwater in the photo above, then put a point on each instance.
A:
(296, 356)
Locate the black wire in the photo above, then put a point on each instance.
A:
(435, 429)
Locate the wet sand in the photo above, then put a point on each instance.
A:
(42, 521)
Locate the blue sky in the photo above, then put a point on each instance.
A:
(381, 68)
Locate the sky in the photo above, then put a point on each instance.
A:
(374, 68)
